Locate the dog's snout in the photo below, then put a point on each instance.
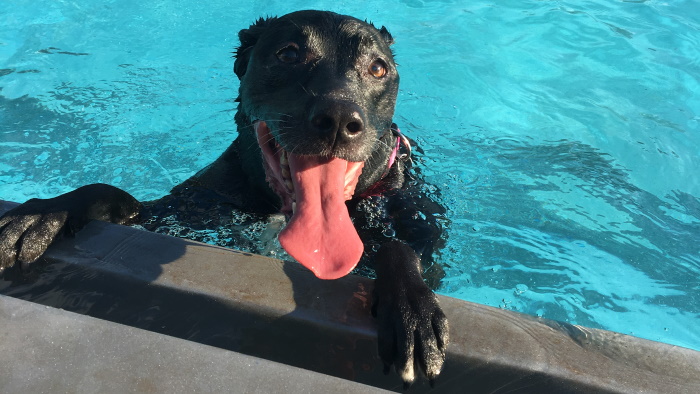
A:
(339, 120)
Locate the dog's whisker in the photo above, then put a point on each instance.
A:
(305, 90)
(283, 114)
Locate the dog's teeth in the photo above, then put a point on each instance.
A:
(294, 207)
(286, 173)
(283, 159)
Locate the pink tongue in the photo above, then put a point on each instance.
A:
(320, 234)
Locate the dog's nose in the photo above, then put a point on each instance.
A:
(343, 120)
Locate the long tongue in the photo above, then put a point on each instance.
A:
(320, 234)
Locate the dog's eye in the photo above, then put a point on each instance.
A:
(289, 54)
(377, 68)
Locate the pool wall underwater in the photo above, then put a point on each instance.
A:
(139, 311)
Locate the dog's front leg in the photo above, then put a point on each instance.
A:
(27, 230)
(412, 328)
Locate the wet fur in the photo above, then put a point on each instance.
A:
(391, 210)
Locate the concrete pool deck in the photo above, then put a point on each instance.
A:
(144, 312)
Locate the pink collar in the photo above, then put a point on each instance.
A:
(392, 158)
(399, 138)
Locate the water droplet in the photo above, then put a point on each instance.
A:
(520, 289)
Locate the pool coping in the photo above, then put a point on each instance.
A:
(278, 316)
(49, 350)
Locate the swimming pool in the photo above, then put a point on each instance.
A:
(563, 136)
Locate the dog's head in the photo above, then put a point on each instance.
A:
(324, 84)
(318, 91)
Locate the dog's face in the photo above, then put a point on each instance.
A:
(325, 84)
(318, 90)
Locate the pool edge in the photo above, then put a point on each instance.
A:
(282, 313)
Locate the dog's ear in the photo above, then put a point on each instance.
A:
(248, 38)
(386, 35)
(383, 32)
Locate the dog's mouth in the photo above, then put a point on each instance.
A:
(320, 234)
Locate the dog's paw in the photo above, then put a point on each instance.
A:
(412, 329)
(27, 231)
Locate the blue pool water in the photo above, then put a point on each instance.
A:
(563, 136)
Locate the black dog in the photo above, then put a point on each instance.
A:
(316, 141)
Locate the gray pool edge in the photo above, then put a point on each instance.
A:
(282, 318)
(49, 350)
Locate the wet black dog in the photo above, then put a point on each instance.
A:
(316, 142)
